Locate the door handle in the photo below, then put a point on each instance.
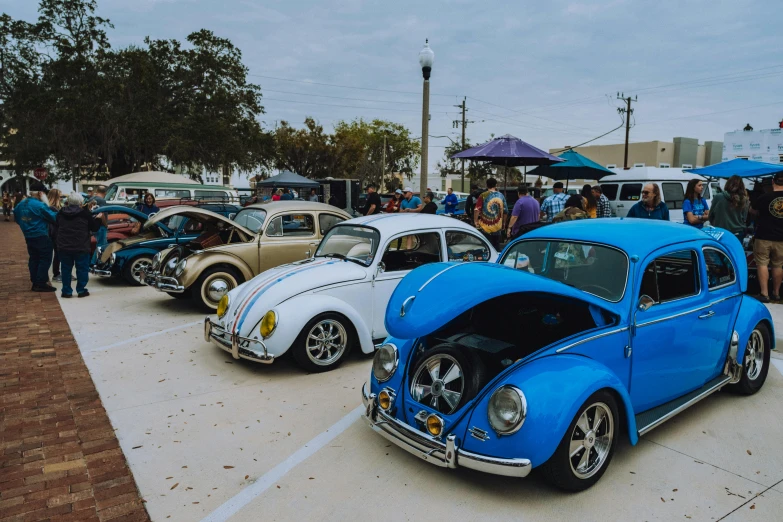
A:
(707, 315)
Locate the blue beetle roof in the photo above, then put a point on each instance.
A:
(440, 294)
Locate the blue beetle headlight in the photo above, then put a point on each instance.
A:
(384, 364)
(507, 410)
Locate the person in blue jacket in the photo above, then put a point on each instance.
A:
(450, 202)
(34, 216)
(148, 206)
(650, 206)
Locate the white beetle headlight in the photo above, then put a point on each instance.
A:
(507, 410)
(384, 364)
(180, 267)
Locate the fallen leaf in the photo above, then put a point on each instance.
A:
(161, 380)
(228, 467)
(137, 447)
(311, 478)
(749, 453)
(753, 506)
(278, 487)
(183, 467)
(174, 486)
(168, 478)
(246, 476)
(675, 489)
(662, 500)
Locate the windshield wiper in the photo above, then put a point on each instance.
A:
(344, 258)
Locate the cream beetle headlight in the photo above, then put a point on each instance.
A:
(222, 307)
(180, 267)
(507, 410)
(384, 364)
(268, 324)
(156, 261)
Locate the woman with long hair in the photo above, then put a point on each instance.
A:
(574, 209)
(730, 207)
(55, 203)
(393, 205)
(695, 208)
(148, 206)
(590, 203)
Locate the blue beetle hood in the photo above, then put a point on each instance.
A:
(442, 291)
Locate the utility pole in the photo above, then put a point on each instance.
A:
(627, 111)
(464, 124)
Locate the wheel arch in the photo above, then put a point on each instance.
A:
(199, 263)
(751, 312)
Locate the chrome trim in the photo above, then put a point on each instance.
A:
(591, 338)
(478, 433)
(404, 303)
(100, 272)
(391, 395)
(215, 334)
(161, 283)
(707, 315)
(522, 413)
(685, 406)
(674, 316)
(447, 455)
(428, 281)
(396, 361)
(732, 368)
(733, 269)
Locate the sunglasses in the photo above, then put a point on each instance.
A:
(645, 192)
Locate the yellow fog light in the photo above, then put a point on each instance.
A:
(384, 400)
(222, 306)
(268, 324)
(434, 425)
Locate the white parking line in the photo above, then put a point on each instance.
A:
(232, 506)
(141, 337)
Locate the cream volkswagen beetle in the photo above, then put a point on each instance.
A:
(322, 307)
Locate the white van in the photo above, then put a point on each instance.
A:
(124, 192)
(624, 189)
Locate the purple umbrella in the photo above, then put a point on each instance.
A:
(510, 151)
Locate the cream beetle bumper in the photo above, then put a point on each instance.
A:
(435, 452)
(239, 347)
(161, 283)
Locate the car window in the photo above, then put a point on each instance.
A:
(292, 225)
(706, 191)
(412, 251)
(211, 194)
(192, 226)
(592, 268)
(610, 190)
(671, 276)
(171, 193)
(720, 270)
(327, 221)
(673, 195)
(251, 218)
(463, 246)
(173, 222)
(631, 192)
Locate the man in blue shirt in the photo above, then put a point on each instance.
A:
(450, 201)
(651, 206)
(555, 203)
(410, 203)
(34, 216)
(287, 196)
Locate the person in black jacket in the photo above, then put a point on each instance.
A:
(73, 227)
(470, 202)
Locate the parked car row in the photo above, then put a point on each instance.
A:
(574, 335)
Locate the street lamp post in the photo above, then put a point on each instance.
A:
(426, 57)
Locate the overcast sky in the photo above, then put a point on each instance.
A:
(547, 72)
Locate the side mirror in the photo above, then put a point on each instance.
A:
(381, 268)
(232, 216)
(645, 302)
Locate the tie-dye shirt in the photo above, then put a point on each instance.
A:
(491, 206)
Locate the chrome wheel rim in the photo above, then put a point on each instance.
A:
(439, 383)
(591, 440)
(215, 287)
(754, 355)
(326, 342)
(140, 264)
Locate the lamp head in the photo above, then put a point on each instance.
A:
(426, 58)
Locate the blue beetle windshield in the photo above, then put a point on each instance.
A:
(595, 269)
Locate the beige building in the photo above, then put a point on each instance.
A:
(678, 153)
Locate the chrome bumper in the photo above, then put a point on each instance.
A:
(447, 455)
(229, 342)
(103, 269)
(99, 271)
(162, 283)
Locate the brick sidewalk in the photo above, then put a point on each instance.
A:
(59, 457)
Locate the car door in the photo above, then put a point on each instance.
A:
(288, 237)
(666, 349)
(630, 193)
(401, 254)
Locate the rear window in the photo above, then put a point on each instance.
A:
(211, 194)
(673, 195)
(610, 190)
(631, 192)
(171, 193)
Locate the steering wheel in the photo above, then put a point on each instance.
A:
(603, 291)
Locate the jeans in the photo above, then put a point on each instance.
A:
(56, 264)
(82, 262)
(40, 250)
(101, 240)
(493, 238)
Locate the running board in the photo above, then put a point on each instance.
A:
(653, 418)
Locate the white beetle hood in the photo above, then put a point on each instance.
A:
(250, 301)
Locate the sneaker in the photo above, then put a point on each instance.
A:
(66, 296)
(58, 278)
(86, 293)
(44, 288)
(763, 298)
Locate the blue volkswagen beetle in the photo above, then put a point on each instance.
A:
(581, 331)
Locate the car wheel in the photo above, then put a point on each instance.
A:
(447, 377)
(755, 362)
(212, 285)
(132, 269)
(323, 343)
(587, 447)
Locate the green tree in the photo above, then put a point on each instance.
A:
(308, 152)
(474, 170)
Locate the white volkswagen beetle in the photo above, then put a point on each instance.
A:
(322, 307)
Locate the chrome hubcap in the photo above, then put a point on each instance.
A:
(139, 265)
(217, 289)
(439, 382)
(326, 342)
(591, 440)
(754, 355)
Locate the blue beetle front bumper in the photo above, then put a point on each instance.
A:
(447, 455)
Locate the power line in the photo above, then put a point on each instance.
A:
(343, 86)
(711, 113)
(352, 99)
(592, 140)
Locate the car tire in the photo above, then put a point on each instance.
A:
(436, 365)
(755, 362)
(569, 467)
(202, 292)
(327, 326)
(130, 271)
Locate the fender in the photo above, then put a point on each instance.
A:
(296, 312)
(124, 256)
(751, 312)
(555, 388)
(199, 262)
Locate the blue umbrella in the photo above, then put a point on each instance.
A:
(740, 167)
(574, 166)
